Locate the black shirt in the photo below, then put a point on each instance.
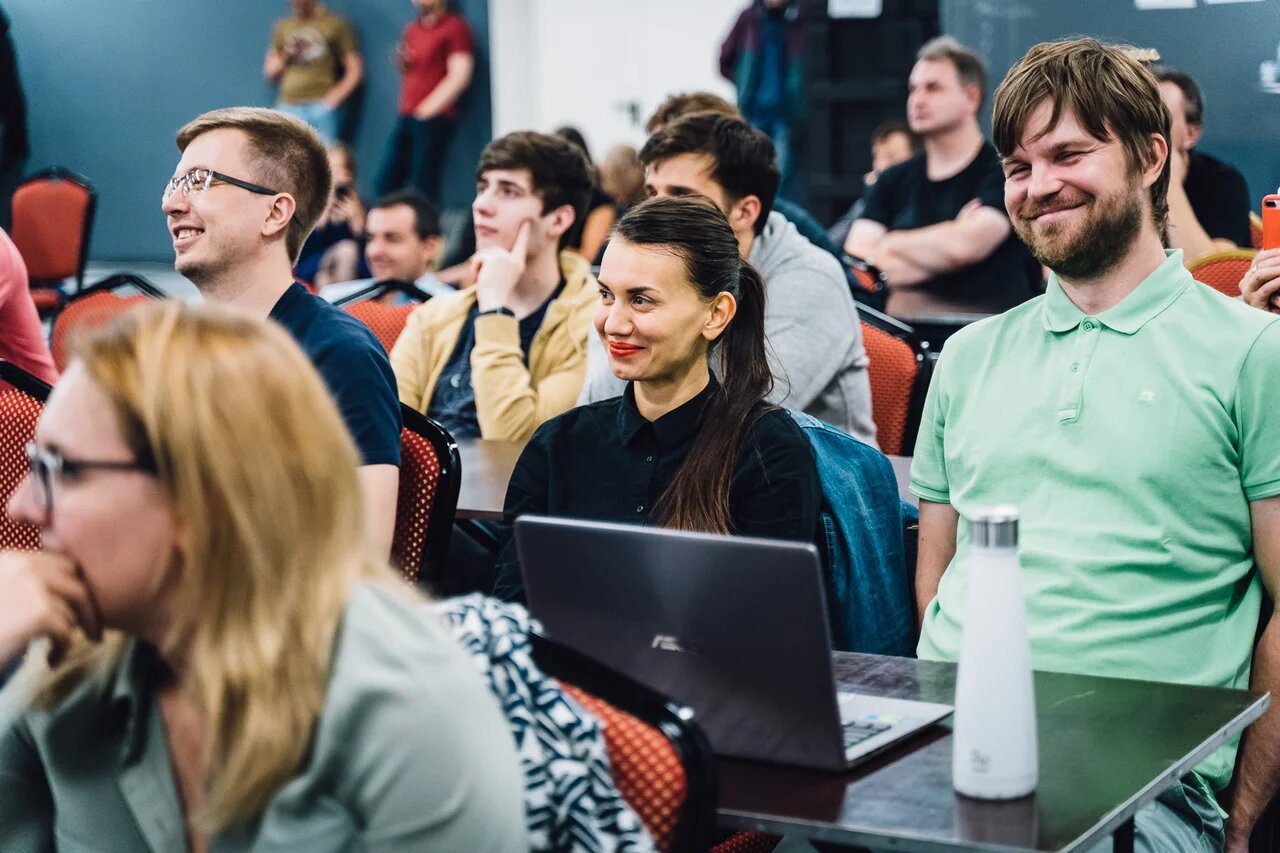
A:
(353, 365)
(1219, 198)
(605, 462)
(453, 402)
(903, 198)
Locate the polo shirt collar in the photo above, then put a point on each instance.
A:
(1155, 293)
(672, 428)
(128, 695)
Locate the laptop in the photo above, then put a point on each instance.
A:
(735, 628)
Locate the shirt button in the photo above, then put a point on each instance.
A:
(1088, 326)
(639, 507)
(648, 459)
(1075, 365)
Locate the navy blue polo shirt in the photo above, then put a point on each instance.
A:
(355, 367)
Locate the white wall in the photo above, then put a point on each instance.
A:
(582, 62)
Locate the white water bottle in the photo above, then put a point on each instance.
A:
(994, 746)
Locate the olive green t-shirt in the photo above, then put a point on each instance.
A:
(1132, 443)
(319, 42)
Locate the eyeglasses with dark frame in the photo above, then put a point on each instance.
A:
(200, 180)
(45, 465)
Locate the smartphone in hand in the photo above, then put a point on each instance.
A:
(1271, 222)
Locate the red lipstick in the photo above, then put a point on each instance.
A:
(621, 350)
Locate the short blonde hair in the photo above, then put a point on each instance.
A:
(260, 471)
(287, 155)
(1110, 93)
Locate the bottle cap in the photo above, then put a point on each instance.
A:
(994, 527)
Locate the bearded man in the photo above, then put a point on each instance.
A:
(1125, 414)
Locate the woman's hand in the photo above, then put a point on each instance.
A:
(1260, 286)
(43, 595)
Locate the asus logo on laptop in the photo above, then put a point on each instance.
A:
(669, 643)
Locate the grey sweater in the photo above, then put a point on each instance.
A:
(812, 330)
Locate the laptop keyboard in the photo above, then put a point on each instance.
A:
(856, 731)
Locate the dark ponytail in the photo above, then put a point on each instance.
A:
(698, 233)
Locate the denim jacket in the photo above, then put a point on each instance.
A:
(869, 596)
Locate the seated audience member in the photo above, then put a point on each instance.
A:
(402, 243)
(588, 235)
(891, 143)
(334, 250)
(678, 448)
(21, 335)
(935, 225)
(679, 106)
(1128, 413)
(1260, 286)
(622, 177)
(1208, 199)
(815, 340)
(228, 667)
(497, 359)
(249, 187)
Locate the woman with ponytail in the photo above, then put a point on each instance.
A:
(680, 448)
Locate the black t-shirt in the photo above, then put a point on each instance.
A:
(1219, 198)
(353, 365)
(903, 198)
(605, 462)
(453, 402)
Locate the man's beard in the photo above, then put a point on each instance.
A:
(1100, 242)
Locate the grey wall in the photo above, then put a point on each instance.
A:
(1220, 45)
(109, 82)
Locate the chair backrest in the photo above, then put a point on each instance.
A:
(22, 398)
(898, 374)
(87, 310)
(660, 759)
(1223, 270)
(52, 216)
(430, 476)
(871, 288)
(1255, 230)
(386, 321)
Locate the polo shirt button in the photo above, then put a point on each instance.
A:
(640, 508)
(1088, 326)
(1075, 365)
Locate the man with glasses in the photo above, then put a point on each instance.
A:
(249, 188)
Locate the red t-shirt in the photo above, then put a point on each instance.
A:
(21, 338)
(426, 50)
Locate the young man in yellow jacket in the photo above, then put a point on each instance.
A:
(497, 359)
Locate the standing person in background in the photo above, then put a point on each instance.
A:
(21, 337)
(762, 58)
(436, 56)
(315, 59)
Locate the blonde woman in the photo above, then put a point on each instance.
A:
(230, 667)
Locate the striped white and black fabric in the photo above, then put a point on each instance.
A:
(571, 802)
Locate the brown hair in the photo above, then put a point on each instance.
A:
(1112, 95)
(968, 64)
(744, 157)
(557, 168)
(688, 103)
(286, 155)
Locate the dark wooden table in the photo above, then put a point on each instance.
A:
(1107, 747)
(486, 470)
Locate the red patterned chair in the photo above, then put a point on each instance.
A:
(1223, 270)
(93, 307)
(430, 476)
(899, 377)
(660, 759)
(22, 398)
(52, 216)
(386, 321)
(1255, 230)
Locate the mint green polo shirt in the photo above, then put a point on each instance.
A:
(1132, 443)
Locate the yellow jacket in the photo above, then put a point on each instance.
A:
(512, 399)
